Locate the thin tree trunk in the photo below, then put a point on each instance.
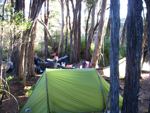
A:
(14, 49)
(67, 24)
(1, 53)
(148, 25)
(133, 57)
(75, 42)
(123, 34)
(71, 33)
(19, 6)
(1, 38)
(114, 55)
(79, 31)
(35, 7)
(76, 31)
(149, 107)
(97, 47)
(61, 42)
(145, 42)
(31, 52)
(46, 15)
(86, 30)
(91, 33)
(21, 58)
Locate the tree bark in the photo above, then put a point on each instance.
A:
(114, 55)
(1, 38)
(25, 60)
(97, 47)
(19, 5)
(46, 16)
(18, 62)
(148, 25)
(91, 33)
(61, 42)
(31, 52)
(35, 7)
(67, 25)
(86, 30)
(149, 107)
(133, 57)
(1, 53)
(21, 58)
(123, 33)
(79, 30)
(76, 32)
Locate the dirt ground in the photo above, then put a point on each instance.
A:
(17, 89)
(144, 95)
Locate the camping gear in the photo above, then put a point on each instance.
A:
(69, 91)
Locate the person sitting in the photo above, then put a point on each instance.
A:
(10, 67)
(39, 65)
(38, 69)
(63, 60)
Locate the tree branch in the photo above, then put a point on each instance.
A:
(41, 22)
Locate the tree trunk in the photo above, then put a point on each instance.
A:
(46, 16)
(25, 60)
(79, 30)
(61, 42)
(114, 55)
(91, 33)
(70, 29)
(35, 7)
(145, 42)
(148, 25)
(67, 25)
(1, 53)
(123, 33)
(76, 31)
(19, 6)
(30, 67)
(149, 107)
(133, 57)
(97, 47)
(21, 58)
(86, 31)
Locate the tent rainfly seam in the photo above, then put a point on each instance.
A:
(47, 93)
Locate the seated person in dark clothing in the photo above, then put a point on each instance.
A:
(37, 60)
(38, 69)
(50, 64)
(10, 67)
(63, 60)
(39, 65)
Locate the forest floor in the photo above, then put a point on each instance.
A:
(18, 90)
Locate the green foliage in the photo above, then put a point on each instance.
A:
(105, 52)
(8, 8)
(30, 90)
(105, 61)
(20, 22)
(9, 78)
(83, 47)
(17, 21)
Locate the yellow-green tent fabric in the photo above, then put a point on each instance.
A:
(69, 91)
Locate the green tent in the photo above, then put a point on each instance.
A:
(69, 91)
